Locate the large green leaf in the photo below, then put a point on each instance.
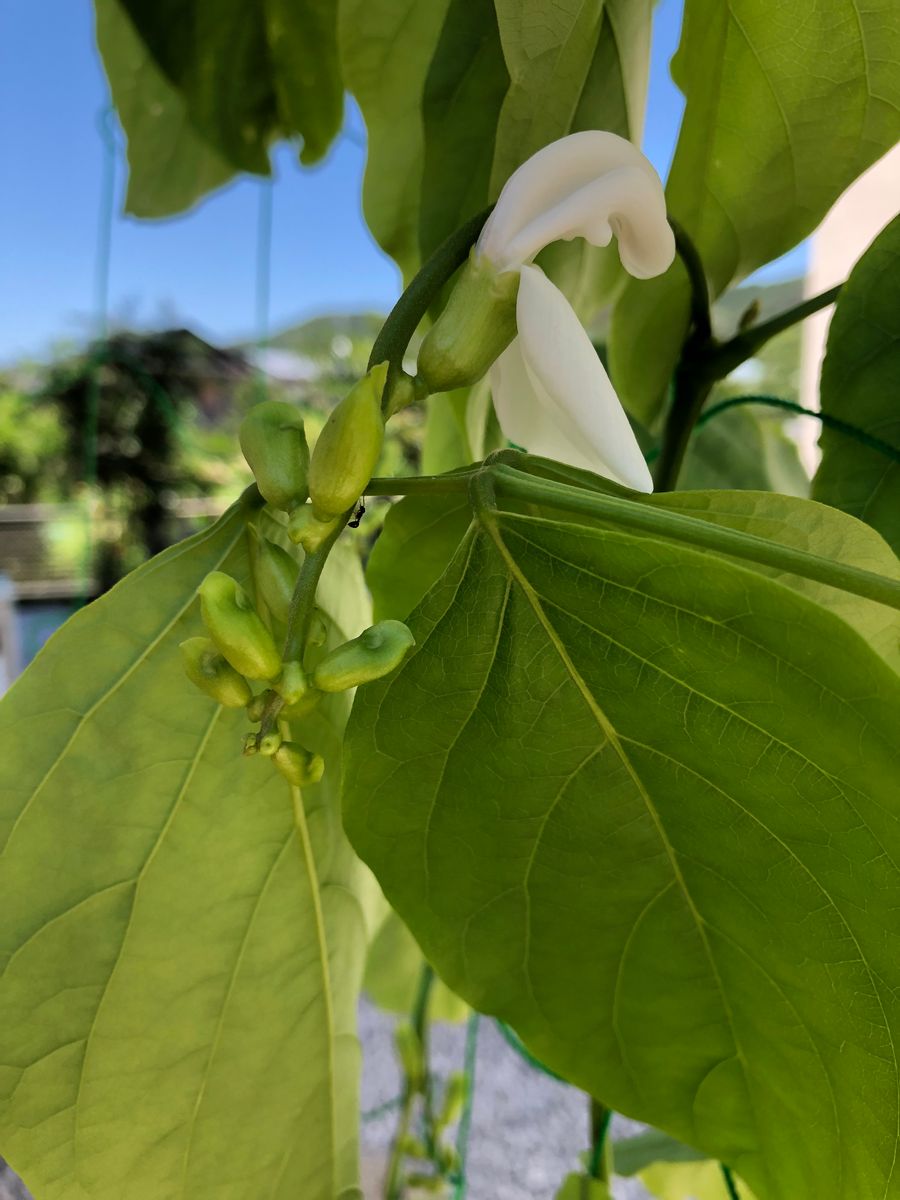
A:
(419, 538)
(170, 166)
(634, 1154)
(786, 105)
(861, 385)
(182, 939)
(456, 95)
(815, 528)
(630, 797)
(239, 76)
(393, 971)
(739, 449)
(689, 1181)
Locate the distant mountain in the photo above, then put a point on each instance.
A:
(314, 338)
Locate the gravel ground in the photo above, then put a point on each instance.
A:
(527, 1129)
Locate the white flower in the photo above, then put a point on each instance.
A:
(551, 392)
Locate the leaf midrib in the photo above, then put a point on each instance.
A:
(489, 525)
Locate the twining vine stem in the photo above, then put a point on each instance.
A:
(704, 361)
(406, 315)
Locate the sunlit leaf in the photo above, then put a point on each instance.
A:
(455, 96)
(170, 166)
(182, 939)
(786, 105)
(861, 385)
(419, 538)
(630, 797)
(217, 84)
(689, 1181)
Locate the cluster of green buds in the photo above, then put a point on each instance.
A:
(242, 646)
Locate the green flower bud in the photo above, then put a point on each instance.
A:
(205, 667)
(318, 630)
(413, 1147)
(476, 326)
(236, 627)
(268, 745)
(273, 441)
(448, 1159)
(298, 765)
(251, 745)
(304, 705)
(348, 447)
(409, 1051)
(420, 1182)
(454, 1098)
(275, 572)
(375, 653)
(306, 530)
(293, 684)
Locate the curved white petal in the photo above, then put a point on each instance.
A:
(549, 177)
(553, 395)
(627, 202)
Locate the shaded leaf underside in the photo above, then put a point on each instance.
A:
(181, 942)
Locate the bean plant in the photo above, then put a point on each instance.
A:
(610, 762)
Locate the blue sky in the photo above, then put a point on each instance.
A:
(199, 269)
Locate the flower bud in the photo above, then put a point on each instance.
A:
(318, 630)
(205, 667)
(273, 441)
(454, 1098)
(409, 1051)
(304, 705)
(236, 627)
(268, 744)
(298, 765)
(251, 745)
(275, 572)
(476, 326)
(348, 447)
(306, 530)
(377, 651)
(293, 684)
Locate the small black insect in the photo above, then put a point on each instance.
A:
(357, 517)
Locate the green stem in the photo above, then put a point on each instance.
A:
(465, 1121)
(646, 518)
(852, 431)
(419, 1020)
(701, 316)
(407, 313)
(304, 598)
(303, 604)
(414, 485)
(729, 355)
(692, 382)
(730, 1185)
(691, 389)
(704, 361)
(601, 1117)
